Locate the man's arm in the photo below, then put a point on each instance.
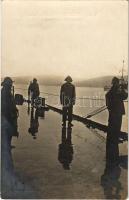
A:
(123, 94)
(38, 91)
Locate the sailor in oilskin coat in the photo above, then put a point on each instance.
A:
(9, 111)
(115, 105)
(33, 90)
(67, 99)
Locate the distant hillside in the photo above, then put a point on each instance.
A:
(97, 82)
(47, 80)
(58, 80)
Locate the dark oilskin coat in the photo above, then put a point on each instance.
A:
(67, 94)
(34, 88)
(114, 101)
(115, 105)
(8, 108)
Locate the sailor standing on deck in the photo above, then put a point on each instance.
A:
(9, 111)
(115, 105)
(33, 90)
(67, 99)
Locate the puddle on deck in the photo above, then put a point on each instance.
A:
(63, 163)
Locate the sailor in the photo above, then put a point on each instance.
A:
(67, 99)
(115, 105)
(9, 111)
(33, 90)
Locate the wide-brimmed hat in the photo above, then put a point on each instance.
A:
(115, 80)
(7, 81)
(34, 80)
(68, 78)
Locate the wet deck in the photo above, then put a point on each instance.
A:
(39, 161)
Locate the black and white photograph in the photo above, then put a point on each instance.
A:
(64, 99)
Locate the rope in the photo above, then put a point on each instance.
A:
(95, 112)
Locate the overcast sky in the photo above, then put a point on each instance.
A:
(84, 39)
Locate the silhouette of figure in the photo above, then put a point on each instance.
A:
(67, 99)
(33, 90)
(34, 124)
(65, 154)
(9, 110)
(115, 105)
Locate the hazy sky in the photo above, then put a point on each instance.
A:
(81, 38)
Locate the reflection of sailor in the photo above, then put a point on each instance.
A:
(65, 155)
(34, 124)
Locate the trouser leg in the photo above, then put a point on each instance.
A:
(112, 149)
(64, 117)
(32, 102)
(63, 135)
(117, 131)
(112, 142)
(70, 112)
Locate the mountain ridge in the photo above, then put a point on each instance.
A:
(58, 80)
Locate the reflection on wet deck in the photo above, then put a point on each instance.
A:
(64, 162)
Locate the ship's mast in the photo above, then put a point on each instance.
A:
(123, 70)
